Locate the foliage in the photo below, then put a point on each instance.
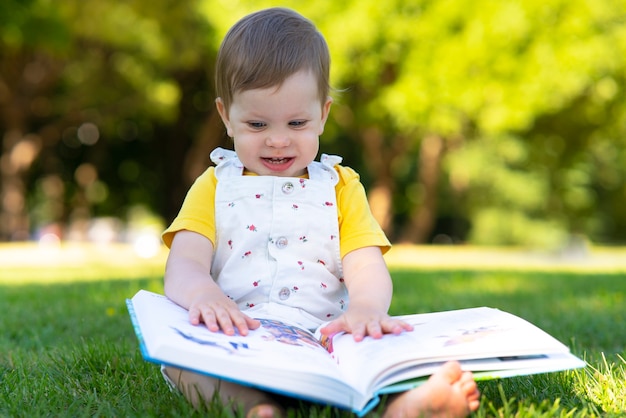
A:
(499, 122)
(90, 107)
(522, 94)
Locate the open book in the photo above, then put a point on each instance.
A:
(286, 359)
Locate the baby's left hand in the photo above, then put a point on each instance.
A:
(364, 321)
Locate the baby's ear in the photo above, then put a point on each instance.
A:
(221, 109)
(325, 112)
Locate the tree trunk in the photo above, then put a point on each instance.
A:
(24, 78)
(381, 192)
(424, 215)
(212, 135)
(188, 143)
(13, 218)
(14, 224)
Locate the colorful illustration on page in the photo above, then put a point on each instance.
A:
(327, 342)
(283, 333)
(231, 346)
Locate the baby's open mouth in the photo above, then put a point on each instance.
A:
(277, 161)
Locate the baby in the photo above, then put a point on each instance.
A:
(271, 232)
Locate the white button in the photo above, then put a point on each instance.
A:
(281, 243)
(284, 293)
(287, 187)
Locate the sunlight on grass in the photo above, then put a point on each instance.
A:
(70, 262)
(605, 385)
(593, 259)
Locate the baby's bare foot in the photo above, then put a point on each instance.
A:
(449, 393)
(265, 411)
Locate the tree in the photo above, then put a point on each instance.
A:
(499, 122)
(472, 91)
(89, 88)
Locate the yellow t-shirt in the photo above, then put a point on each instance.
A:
(357, 226)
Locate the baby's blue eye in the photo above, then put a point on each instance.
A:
(256, 125)
(297, 123)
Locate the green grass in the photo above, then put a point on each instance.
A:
(67, 347)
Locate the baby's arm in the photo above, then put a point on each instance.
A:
(370, 290)
(188, 282)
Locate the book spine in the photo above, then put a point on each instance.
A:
(136, 327)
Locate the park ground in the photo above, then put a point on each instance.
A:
(22, 257)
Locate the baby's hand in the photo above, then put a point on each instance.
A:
(361, 322)
(218, 312)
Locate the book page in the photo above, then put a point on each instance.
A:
(277, 356)
(464, 334)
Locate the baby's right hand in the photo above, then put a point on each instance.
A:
(218, 312)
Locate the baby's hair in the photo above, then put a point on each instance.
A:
(265, 48)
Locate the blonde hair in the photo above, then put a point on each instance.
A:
(265, 48)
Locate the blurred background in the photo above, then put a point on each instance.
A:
(490, 122)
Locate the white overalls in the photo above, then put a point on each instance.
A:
(276, 253)
(277, 242)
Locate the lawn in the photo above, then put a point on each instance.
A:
(67, 347)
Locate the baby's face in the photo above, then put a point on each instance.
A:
(276, 130)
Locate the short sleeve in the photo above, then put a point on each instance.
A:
(197, 213)
(357, 226)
